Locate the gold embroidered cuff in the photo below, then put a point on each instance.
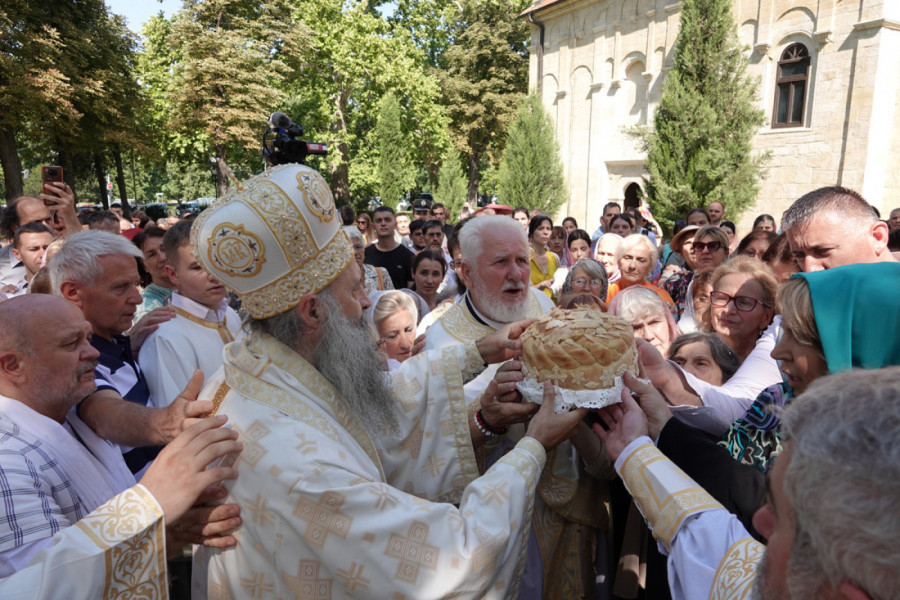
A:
(663, 492)
(472, 362)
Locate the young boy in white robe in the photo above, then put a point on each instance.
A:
(195, 338)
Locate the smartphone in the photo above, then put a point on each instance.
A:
(50, 174)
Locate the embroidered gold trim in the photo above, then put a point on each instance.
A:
(459, 413)
(129, 529)
(221, 327)
(736, 574)
(218, 398)
(663, 492)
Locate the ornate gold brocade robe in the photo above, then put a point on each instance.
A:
(117, 551)
(710, 553)
(330, 511)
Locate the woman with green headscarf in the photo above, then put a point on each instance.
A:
(834, 320)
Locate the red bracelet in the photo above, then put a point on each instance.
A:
(486, 429)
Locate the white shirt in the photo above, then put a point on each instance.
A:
(194, 339)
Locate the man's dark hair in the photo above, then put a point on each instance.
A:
(416, 225)
(176, 236)
(150, 232)
(383, 208)
(30, 228)
(828, 201)
(431, 224)
(348, 215)
(102, 216)
(610, 205)
(10, 218)
(894, 241)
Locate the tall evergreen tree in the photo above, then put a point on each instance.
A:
(486, 78)
(395, 171)
(531, 172)
(452, 184)
(699, 149)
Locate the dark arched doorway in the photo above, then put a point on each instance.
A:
(632, 196)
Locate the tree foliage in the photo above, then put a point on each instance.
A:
(486, 78)
(356, 58)
(531, 171)
(699, 149)
(452, 184)
(233, 59)
(395, 172)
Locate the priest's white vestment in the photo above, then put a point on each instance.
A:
(194, 339)
(711, 555)
(331, 511)
(569, 507)
(117, 551)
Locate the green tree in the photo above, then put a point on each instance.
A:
(486, 78)
(356, 58)
(699, 149)
(233, 59)
(531, 172)
(452, 184)
(395, 173)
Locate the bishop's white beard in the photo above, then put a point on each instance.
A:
(349, 359)
(495, 309)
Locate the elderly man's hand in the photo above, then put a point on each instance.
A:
(179, 474)
(203, 523)
(504, 343)
(501, 403)
(664, 376)
(651, 402)
(549, 428)
(147, 325)
(185, 410)
(626, 422)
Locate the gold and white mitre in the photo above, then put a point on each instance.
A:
(273, 239)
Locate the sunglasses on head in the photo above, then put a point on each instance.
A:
(711, 246)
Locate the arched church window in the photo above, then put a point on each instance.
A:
(791, 86)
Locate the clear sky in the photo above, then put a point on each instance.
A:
(137, 12)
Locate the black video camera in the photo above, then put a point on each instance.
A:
(281, 143)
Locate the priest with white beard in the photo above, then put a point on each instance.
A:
(570, 508)
(349, 475)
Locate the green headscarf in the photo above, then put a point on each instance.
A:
(857, 310)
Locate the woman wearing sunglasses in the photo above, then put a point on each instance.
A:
(742, 302)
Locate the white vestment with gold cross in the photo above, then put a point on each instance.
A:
(711, 554)
(331, 511)
(117, 551)
(560, 499)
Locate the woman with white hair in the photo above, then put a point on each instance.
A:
(651, 319)
(394, 316)
(377, 278)
(636, 258)
(605, 253)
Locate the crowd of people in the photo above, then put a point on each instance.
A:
(316, 403)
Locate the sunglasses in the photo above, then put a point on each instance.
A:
(742, 303)
(711, 246)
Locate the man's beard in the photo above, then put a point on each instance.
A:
(49, 387)
(349, 359)
(495, 309)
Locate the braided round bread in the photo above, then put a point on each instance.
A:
(578, 349)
